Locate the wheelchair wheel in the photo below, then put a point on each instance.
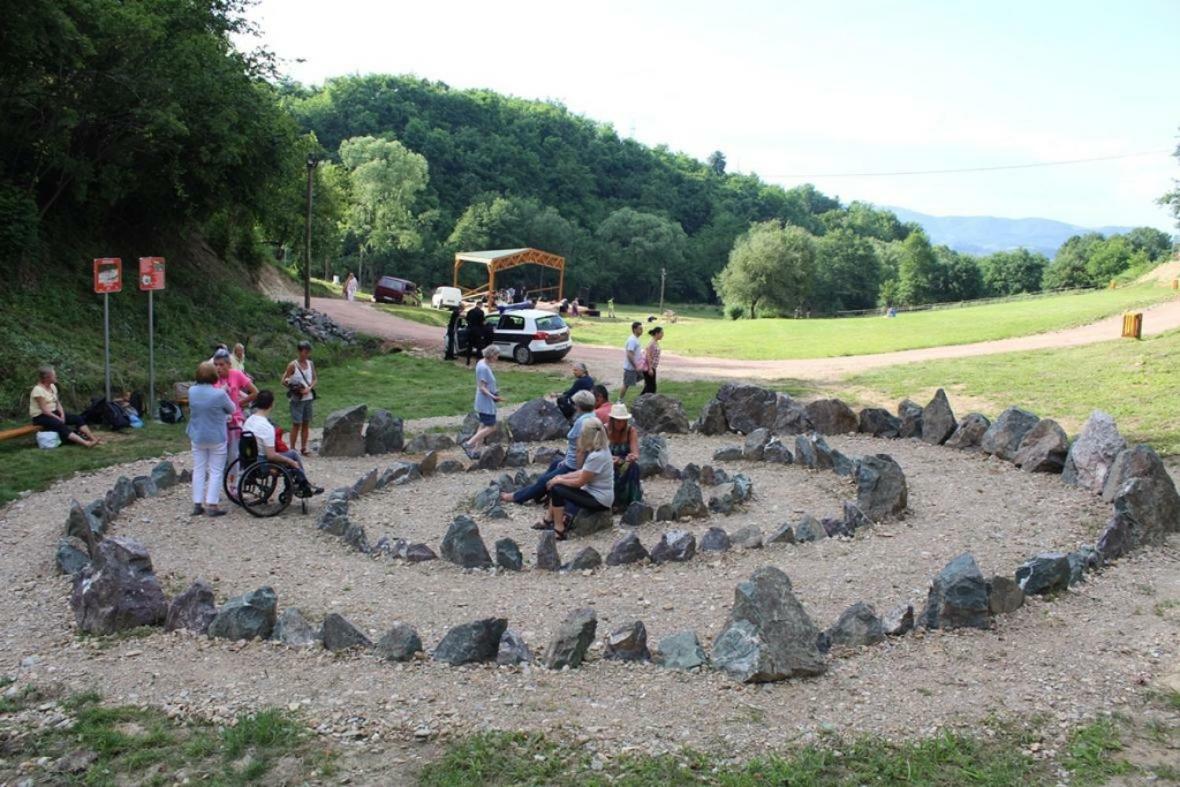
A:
(265, 489)
(229, 480)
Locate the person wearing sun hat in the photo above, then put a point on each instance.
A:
(623, 442)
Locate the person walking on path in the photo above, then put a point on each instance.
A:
(208, 408)
(300, 380)
(590, 488)
(651, 360)
(632, 359)
(623, 441)
(487, 394)
(46, 411)
(350, 287)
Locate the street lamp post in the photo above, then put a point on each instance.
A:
(311, 165)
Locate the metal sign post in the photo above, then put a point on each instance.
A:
(151, 278)
(108, 278)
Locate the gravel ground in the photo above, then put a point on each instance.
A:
(1086, 652)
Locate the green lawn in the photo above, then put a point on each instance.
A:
(1138, 382)
(705, 333)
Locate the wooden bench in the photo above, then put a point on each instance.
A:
(20, 431)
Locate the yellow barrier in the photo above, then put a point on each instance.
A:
(1133, 325)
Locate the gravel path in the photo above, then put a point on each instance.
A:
(1084, 653)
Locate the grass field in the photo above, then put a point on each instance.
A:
(1138, 382)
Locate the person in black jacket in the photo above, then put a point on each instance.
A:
(582, 382)
(475, 333)
(452, 335)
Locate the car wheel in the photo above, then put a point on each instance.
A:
(522, 355)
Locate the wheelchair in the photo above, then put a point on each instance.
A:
(263, 488)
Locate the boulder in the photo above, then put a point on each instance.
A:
(1004, 595)
(1118, 537)
(513, 650)
(430, 441)
(355, 537)
(813, 452)
(419, 553)
(450, 466)
(665, 513)
(144, 486)
(755, 444)
(333, 516)
(842, 465)
(747, 407)
(1003, 437)
(712, 419)
(657, 413)
(251, 616)
(429, 464)
(835, 527)
(675, 546)
(958, 597)
(164, 474)
(587, 559)
(365, 484)
(463, 545)
(1043, 573)
(938, 419)
(628, 643)
(572, 639)
(768, 635)
(185, 476)
(970, 432)
(385, 433)
(880, 487)
(338, 634)
(681, 650)
(1092, 454)
(546, 455)
(517, 455)
(831, 416)
(400, 643)
(502, 434)
(777, 453)
(878, 422)
(193, 610)
(471, 643)
(637, 513)
(729, 453)
(118, 590)
(715, 540)
(1145, 493)
(910, 415)
(587, 523)
(343, 432)
(1043, 448)
(783, 534)
(748, 537)
(547, 557)
(121, 495)
(293, 630)
(689, 502)
(627, 549)
(538, 420)
(809, 529)
(854, 518)
(1081, 561)
(898, 621)
(671, 473)
(486, 498)
(653, 455)
(508, 555)
(857, 627)
(491, 457)
(89, 523)
(71, 555)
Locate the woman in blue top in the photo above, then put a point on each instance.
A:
(487, 394)
(208, 408)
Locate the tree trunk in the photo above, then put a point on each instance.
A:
(754, 309)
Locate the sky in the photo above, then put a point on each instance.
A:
(816, 92)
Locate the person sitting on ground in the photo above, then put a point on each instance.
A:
(237, 358)
(590, 488)
(259, 425)
(584, 402)
(582, 382)
(487, 394)
(601, 402)
(208, 409)
(46, 411)
(623, 439)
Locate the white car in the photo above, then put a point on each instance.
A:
(525, 335)
(446, 298)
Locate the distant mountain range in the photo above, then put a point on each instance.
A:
(985, 234)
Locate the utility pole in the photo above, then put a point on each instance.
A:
(311, 164)
(663, 278)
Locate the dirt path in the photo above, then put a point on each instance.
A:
(1156, 319)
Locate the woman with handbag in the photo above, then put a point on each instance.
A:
(300, 380)
(651, 360)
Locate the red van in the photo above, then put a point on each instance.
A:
(391, 289)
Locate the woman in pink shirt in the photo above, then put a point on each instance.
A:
(240, 389)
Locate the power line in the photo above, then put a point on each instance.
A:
(972, 169)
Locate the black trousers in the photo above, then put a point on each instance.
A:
(572, 499)
(64, 429)
(649, 382)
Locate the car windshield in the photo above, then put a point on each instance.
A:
(550, 323)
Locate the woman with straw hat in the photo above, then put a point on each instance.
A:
(623, 441)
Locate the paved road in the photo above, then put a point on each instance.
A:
(1159, 318)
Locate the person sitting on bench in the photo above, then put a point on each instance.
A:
(46, 411)
(263, 430)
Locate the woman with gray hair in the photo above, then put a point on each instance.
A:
(300, 381)
(487, 394)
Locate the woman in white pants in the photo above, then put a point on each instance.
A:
(208, 409)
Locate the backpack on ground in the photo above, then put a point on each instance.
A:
(170, 412)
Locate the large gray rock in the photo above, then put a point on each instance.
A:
(343, 432)
(508, 555)
(1043, 448)
(1003, 437)
(831, 416)
(572, 639)
(1092, 454)
(681, 650)
(898, 621)
(547, 557)
(400, 643)
(878, 422)
(627, 549)
(87, 523)
(712, 419)
(856, 627)
(813, 452)
(463, 545)
(538, 420)
(783, 534)
(747, 407)
(71, 556)
(657, 413)
(1118, 537)
(491, 457)
(653, 455)
(418, 553)
(354, 536)
(938, 419)
(145, 486)
(910, 415)
(121, 495)
(637, 513)
(768, 636)
(755, 444)
(333, 518)
(251, 616)
(689, 502)
(1004, 595)
(164, 474)
(517, 455)
(118, 590)
(715, 540)
(385, 433)
(366, 483)
(429, 464)
(1139, 486)
(748, 537)
(587, 559)
(970, 432)
(339, 634)
(430, 441)
(513, 650)
(675, 546)
(729, 453)
(471, 643)
(958, 597)
(193, 610)
(1046, 572)
(809, 529)
(587, 523)
(628, 643)
(880, 487)
(293, 630)
(777, 453)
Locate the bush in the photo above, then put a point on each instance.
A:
(735, 311)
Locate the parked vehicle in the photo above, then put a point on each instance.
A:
(527, 336)
(446, 298)
(391, 289)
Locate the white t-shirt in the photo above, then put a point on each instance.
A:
(263, 431)
(632, 350)
(602, 485)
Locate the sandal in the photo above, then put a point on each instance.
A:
(567, 524)
(544, 524)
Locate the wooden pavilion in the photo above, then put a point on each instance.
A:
(503, 259)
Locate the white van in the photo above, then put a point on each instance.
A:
(446, 298)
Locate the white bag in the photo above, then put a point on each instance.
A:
(48, 440)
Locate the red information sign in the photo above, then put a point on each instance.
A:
(108, 275)
(151, 273)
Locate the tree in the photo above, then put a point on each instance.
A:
(957, 276)
(1171, 200)
(1068, 268)
(633, 247)
(1111, 257)
(916, 270)
(1155, 244)
(770, 265)
(848, 273)
(1013, 272)
(716, 162)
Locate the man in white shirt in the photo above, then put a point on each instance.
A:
(631, 360)
(263, 430)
